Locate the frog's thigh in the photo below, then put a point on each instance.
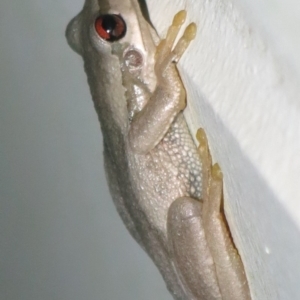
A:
(189, 250)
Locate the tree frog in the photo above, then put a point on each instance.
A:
(164, 187)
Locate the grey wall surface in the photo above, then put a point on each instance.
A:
(60, 235)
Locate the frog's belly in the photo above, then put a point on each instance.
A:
(171, 170)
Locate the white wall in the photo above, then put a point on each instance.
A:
(60, 235)
(242, 79)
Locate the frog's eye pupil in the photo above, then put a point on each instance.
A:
(110, 27)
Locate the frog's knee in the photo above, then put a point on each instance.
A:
(185, 208)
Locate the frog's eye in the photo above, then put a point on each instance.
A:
(110, 27)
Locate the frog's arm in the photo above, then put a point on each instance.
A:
(153, 121)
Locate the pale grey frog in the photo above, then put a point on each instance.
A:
(163, 186)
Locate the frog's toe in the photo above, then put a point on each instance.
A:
(166, 44)
(164, 52)
(204, 150)
(183, 43)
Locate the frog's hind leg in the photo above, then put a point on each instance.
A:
(203, 254)
(189, 251)
(229, 267)
(188, 246)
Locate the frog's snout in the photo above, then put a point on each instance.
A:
(73, 31)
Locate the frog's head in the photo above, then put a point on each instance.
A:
(114, 37)
(121, 27)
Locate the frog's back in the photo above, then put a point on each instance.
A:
(144, 186)
(151, 182)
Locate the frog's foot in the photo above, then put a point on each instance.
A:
(166, 51)
(229, 267)
(212, 176)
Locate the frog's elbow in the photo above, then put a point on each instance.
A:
(139, 144)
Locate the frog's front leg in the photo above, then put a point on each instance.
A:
(200, 244)
(150, 124)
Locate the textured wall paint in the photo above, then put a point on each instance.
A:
(243, 88)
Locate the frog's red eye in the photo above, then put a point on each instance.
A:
(110, 27)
